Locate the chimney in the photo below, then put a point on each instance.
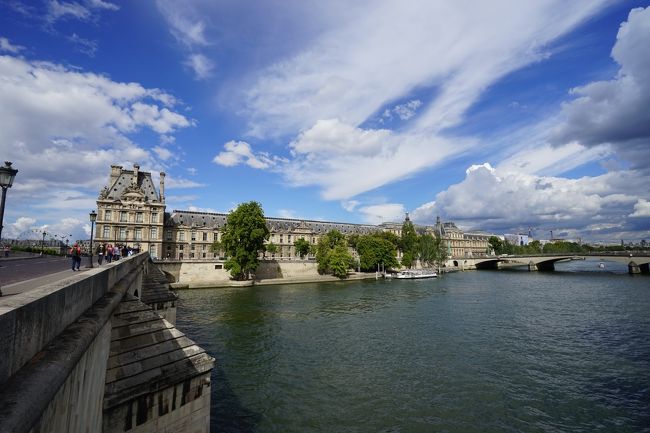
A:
(136, 167)
(116, 170)
(162, 186)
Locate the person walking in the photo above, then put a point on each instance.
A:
(109, 253)
(101, 250)
(75, 253)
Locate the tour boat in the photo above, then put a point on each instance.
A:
(415, 274)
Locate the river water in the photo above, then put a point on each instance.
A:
(478, 351)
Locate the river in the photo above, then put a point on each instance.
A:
(477, 351)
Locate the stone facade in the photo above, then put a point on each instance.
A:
(132, 213)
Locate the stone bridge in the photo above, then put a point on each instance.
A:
(99, 352)
(546, 262)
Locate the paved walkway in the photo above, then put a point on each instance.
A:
(35, 283)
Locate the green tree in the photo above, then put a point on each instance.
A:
(375, 250)
(243, 239)
(332, 254)
(496, 244)
(409, 244)
(271, 248)
(302, 247)
(432, 250)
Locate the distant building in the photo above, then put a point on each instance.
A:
(519, 239)
(130, 212)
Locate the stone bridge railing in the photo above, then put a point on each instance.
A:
(56, 345)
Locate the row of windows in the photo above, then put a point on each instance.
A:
(122, 233)
(124, 216)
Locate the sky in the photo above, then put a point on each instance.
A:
(502, 116)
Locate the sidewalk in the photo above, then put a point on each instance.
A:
(35, 283)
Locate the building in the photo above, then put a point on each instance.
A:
(131, 213)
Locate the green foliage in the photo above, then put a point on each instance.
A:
(302, 247)
(243, 239)
(409, 244)
(432, 250)
(271, 248)
(353, 239)
(340, 261)
(332, 254)
(217, 247)
(375, 250)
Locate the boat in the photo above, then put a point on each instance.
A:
(415, 274)
(601, 265)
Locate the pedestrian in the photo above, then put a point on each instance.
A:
(75, 252)
(109, 253)
(6, 250)
(101, 250)
(116, 252)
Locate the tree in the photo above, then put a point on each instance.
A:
(271, 248)
(409, 244)
(243, 239)
(496, 244)
(332, 254)
(217, 248)
(432, 250)
(302, 247)
(375, 250)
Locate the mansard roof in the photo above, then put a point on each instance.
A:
(218, 220)
(123, 188)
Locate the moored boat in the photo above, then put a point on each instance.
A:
(415, 274)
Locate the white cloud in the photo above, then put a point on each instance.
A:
(20, 226)
(240, 152)
(82, 11)
(200, 65)
(501, 201)
(404, 111)
(365, 60)
(641, 209)
(7, 46)
(163, 153)
(379, 213)
(85, 46)
(345, 161)
(616, 112)
(350, 205)
(63, 128)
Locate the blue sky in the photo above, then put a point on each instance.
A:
(498, 115)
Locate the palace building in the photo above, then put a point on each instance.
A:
(130, 212)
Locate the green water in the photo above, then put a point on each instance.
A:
(501, 351)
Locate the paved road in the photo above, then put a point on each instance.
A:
(21, 269)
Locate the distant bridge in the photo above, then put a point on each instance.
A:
(636, 263)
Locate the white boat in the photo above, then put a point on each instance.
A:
(415, 274)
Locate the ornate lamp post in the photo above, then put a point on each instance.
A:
(93, 218)
(7, 175)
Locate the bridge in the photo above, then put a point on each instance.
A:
(99, 352)
(636, 263)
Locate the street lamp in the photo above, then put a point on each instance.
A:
(43, 243)
(7, 175)
(93, 218)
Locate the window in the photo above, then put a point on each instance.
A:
(192, 247)
(154, 217)
(138, 217)
(154, 233)
(124, 217)
(138, 234)
(181, 236)
(181, 247)
(289, 239)
(281, 239)
(107, 215)
(107, 232)
(191, 255)
(204, 247)
(122, 236)
(204, 255)
(168, 235)
(205, 236)
(193, 235)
